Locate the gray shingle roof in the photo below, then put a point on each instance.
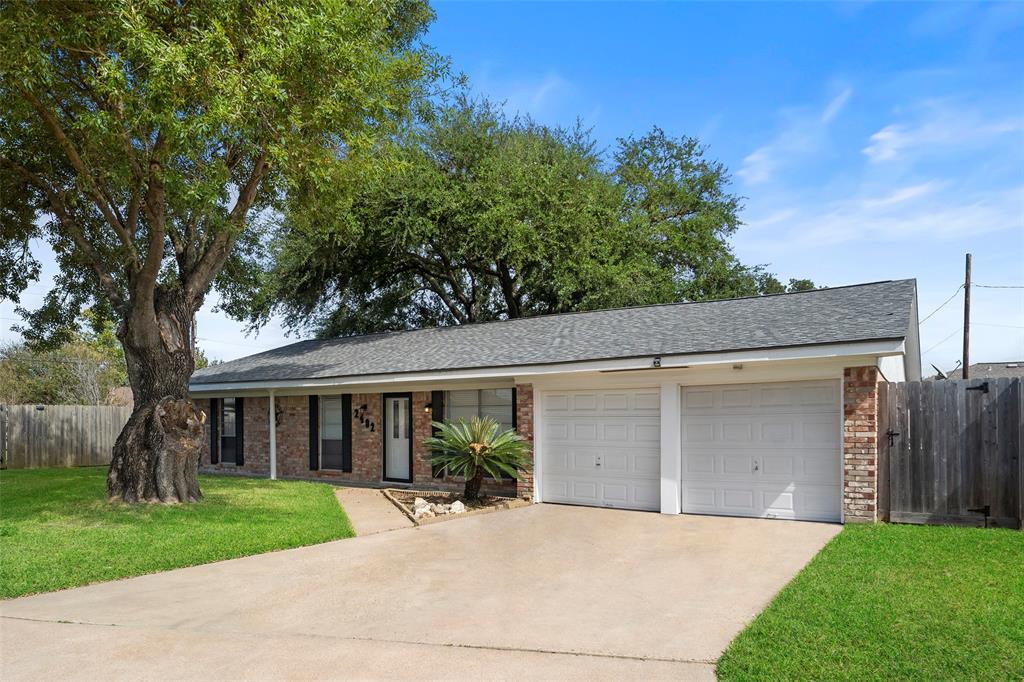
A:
(994, 370)
(880, 310)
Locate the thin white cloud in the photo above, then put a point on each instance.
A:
(908, 213)
(803, 133)
(536, 96)
(759, 166)
(902, 195)
(774, 218)
(939, 127)
(836, 105)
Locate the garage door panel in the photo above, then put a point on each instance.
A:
(698, 432)
(647, 465)
(759, 431)
(580, 403)
(778, 501)
(762, 399)
(648, 401)
(698, 463)
(602, 448)
(647, 433)
(762, 450)
(777, 465)
(735, 464)
(737, 500)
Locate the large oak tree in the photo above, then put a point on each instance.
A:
(492, 217)
(146, 140)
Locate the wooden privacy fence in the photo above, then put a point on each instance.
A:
(34, 436)
(950, 452)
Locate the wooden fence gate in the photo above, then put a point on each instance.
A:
(950, 452)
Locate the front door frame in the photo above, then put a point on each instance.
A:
(384, 438)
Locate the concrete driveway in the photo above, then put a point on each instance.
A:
(540, 592)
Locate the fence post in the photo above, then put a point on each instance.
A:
(882, 459)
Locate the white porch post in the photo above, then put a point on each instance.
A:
(670, 448)
(273, 436)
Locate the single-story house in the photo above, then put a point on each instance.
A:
(762, 406)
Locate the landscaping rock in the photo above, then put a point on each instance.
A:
(457, 507)
(419, 503)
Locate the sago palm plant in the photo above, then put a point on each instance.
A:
(476, 449)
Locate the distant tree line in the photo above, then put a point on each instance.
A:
(86, 368)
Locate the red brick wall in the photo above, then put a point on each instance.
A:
(367, 445)
(257, 437)
(422, 471)
(203, 405)
(524, 425)
(293, 441)
(860, 443)
(292, 435)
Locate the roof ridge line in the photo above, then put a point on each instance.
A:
(583, 312)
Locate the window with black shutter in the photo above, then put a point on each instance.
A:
(330, 433)
(228, 431)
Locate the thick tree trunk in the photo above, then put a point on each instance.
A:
(156, 457)
(472, 490)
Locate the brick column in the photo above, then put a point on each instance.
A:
(524, 425)
(422, 469)
(860, 444)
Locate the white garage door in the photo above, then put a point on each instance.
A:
(602, 448)
(767, 450)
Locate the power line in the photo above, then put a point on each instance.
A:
(943, 305)
(1006, 326)
(233, 343)
(943, 341)
(999, 286)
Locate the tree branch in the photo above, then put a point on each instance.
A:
(210, 262)
(74, 230)
(101, 199)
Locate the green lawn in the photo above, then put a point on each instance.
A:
(894, 602)
(57, 529)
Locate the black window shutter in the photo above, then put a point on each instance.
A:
(346, 434)
(239, 432)
(314, 432)
(437, 415)
(214, 431)
(515, 411)
(515, 427)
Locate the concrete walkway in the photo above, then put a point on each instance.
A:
(540, 592)
(370, 512)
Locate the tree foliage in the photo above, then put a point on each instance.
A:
(146, 140)
(143, 140)
(489, 217)
(82, 371)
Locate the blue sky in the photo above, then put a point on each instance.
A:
(871, 140)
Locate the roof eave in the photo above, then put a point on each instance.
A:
(874, 347)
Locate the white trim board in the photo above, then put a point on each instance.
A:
(532, 373)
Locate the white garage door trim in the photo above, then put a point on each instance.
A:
(769, 450)
(601, 447)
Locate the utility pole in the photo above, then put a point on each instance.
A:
(967, 319)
